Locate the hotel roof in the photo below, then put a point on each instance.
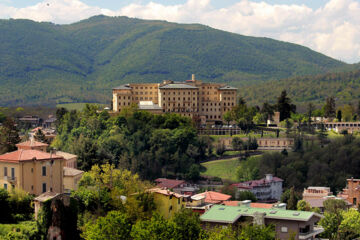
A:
(227, 88)
(123, 87)
(27, 155)
(230, 214)
(178, 86)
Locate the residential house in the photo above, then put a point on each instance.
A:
(319, 202)
(32, 170)
(268, 189)
(167, 202)
(178, 186)
(71, 178)
(287, 222)
(316, 193)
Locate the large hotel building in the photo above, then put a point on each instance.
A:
(193, 98)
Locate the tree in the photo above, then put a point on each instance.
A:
(292, 202)
(334, 205)
(188, 225)
(303, 205)
(331, 222)
(156, 228)
(249, 232)
(40, 136)
(350, 225)
(339, 115)
(290, 197)
(9, 136)
(330, 108)
(228, 117)
(115, 225)
(284, 106)
(268, 111)
(237, 143)
(246, 195)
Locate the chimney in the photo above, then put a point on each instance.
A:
(281, 206)
(246, 203)
(269, 177)
(193, 77)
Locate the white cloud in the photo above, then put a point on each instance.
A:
(332, 29)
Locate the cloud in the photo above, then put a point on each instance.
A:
(332, 29)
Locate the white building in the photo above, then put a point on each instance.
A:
(268, 189)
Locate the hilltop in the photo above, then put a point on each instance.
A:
(45, 63)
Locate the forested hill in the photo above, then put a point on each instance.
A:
(345, 87)
(44, 63)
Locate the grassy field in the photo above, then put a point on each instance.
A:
(225, 169)
(76, 106)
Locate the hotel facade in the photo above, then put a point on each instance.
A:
(192, 98)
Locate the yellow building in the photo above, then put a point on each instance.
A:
(70, 159)
(193, 98)
(32, 170)
(167, 202)
(71, 178)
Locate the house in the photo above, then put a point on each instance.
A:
(178, 186)
(32, 170)
(213, 197)
(316, 193)
(71, 178)
(352, 192)
(167, 202)
(70, 159)
(30, 121)
(50, 122)
(32, 144)
(268, 189)
(287, 222)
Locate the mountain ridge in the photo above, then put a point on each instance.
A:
(46, 63)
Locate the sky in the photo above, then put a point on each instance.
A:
(331, 27)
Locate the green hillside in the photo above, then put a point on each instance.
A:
(44, 63)
(345, 87)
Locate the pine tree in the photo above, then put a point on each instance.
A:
(339, 116)
(292, 202)
(329, 108)
(9, 136)
(284, 106)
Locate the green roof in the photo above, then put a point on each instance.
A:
(230, 214)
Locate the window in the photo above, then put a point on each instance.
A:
(44, 187)
(12, 172)
(44, 170)
(5, 171)
(284, 229)
(5, 186)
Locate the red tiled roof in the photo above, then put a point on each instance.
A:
(254, 205)
(168, 183)
(27, 155)
(32, 144)
(214, 197)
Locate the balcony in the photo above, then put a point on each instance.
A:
(310, 234)
(10, 179)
